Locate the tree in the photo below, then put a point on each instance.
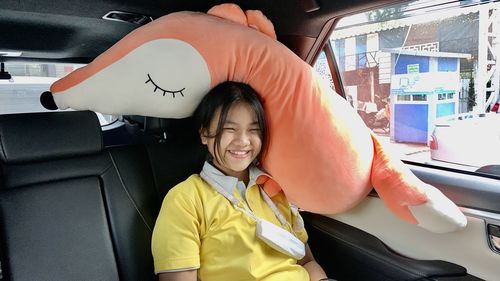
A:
(389, 13)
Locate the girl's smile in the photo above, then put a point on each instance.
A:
(239, 154)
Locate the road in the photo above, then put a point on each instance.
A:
(419, 153)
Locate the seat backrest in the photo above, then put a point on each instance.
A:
(71, 209)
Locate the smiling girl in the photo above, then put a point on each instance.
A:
(220, 224)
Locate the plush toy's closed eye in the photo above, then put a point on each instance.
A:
(164, 91)
(320, 153)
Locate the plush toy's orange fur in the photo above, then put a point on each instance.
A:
(321, 154)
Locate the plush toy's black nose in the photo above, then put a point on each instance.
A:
(47, 101)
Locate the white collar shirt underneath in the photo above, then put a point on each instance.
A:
(228, 183)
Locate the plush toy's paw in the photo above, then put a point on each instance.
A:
(439, 214)
(411, 199)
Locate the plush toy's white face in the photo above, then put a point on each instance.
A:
(163, 77)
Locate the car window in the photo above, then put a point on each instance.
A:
(20, 91)
(423, 75)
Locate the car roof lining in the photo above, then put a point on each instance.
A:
(74, 31)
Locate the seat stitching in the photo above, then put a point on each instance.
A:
(153, 171)
(3, 148)
(127, 192)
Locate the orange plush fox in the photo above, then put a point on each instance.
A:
(321, 154)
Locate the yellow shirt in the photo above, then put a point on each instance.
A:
(198, 228)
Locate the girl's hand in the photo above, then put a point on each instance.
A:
(313, 268)
(188, 275)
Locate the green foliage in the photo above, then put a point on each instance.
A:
(383, 14)
(388, 13)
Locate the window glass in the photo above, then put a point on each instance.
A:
(419, 97)
(424, 76)
(404, 98)
(21, 93)
(321, 67)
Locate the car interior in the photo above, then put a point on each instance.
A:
(79, 202)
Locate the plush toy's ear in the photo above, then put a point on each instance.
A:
(230, 12)
(257, 20)
(251, 18)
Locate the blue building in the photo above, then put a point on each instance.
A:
(424, 86)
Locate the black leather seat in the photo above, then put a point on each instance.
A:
(71, 209)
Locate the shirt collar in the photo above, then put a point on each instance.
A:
(212, 174)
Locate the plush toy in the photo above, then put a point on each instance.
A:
(321, 154)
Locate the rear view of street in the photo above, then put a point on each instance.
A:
(418, 153)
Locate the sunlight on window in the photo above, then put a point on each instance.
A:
(413, 71)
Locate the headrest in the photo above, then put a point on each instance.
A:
(42, 136)
(164, 128)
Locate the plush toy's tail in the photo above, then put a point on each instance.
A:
(417, 203)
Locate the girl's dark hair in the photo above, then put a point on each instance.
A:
(222, 97)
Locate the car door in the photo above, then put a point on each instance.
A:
(406, 69)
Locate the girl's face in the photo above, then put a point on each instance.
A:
(240, 141)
